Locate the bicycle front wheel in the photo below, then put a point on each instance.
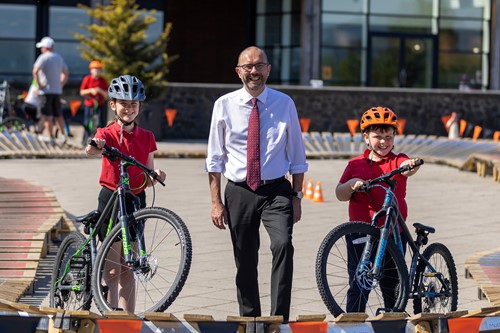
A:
(347, 285)
(435, 294)
(71, 287)
(156, 277)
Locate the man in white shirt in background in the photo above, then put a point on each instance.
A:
(50, 73)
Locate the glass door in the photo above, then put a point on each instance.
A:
(402, 60)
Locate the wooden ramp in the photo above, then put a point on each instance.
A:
(30, 217)
(484, 268)
(22, 144)
(481, 156)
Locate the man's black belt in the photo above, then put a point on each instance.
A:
(262, 182)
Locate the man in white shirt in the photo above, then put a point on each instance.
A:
(50, 74)
(275, 201)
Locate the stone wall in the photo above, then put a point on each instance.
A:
(329, 108)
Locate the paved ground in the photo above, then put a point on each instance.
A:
(460, 205)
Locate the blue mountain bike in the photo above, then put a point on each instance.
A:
(362, 268)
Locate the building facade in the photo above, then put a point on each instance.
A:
(358, 43)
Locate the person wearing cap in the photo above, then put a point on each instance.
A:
(94, 90)
(51, 73)
(379, 127)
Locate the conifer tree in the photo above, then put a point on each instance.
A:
(118, 40)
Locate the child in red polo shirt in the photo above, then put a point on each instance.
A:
(379, 127)
(94, 88)
(126, 94)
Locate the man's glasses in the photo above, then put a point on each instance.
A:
(258, 66)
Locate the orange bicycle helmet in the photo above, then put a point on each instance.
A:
(378, 116)
(95, 64)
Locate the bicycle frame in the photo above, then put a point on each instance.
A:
(394, 221)
(118, 208)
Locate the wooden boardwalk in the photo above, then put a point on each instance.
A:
(30, 217)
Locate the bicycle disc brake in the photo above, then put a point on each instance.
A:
(364, 276)
(145, 268)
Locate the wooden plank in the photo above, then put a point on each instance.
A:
(160, 316)
(389, 316)
(197, 317)
(18, 265)
(19, 256)
(14, 274)
(39, 236)
(354, 317)
(311, 317)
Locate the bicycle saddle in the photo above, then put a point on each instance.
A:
(89, 218)
(420, 226)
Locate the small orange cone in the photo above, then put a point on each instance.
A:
(318, 193)
(309, 190)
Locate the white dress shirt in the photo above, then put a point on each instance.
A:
(281, 146)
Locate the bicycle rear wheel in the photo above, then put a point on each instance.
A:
(71, 287)
(346, 286)
(154, 285)
(14, 124)
(427, 285)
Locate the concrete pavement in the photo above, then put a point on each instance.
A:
(460, 205)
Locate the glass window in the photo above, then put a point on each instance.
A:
(64, 21)
(17, 21)
(341, 66)
(21, 63)
(453, 66)
(401, 7)
(460, 35)
(462, 8)
(353, 6)
(381, 23)
(154, 30)
(269, 30)
(342, 30)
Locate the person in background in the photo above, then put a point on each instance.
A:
(255, 140)
(453, 126)
(94, 90)
(51, 73)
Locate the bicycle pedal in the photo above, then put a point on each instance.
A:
(78, 262)
(430, 274)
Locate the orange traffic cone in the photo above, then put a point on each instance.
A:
(309, 190)
(318, 193)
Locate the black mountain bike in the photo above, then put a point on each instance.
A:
(376, 278)
(153, 244)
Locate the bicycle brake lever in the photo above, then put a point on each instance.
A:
(155, 177)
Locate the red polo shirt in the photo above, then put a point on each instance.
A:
(362, 205)
(138, 143)
(92, 82)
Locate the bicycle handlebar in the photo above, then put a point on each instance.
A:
(368, 184)
(113, 152)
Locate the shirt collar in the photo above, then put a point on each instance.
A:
(367, 152)
(116, 128)
(245, 97)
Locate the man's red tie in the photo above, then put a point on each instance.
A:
(253, 148)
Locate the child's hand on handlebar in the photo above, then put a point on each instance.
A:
(95, 146)
(356, 185)
(161, 177)
(413, 164)
(99, 142)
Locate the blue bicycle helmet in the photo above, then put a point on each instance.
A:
(127, 87)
